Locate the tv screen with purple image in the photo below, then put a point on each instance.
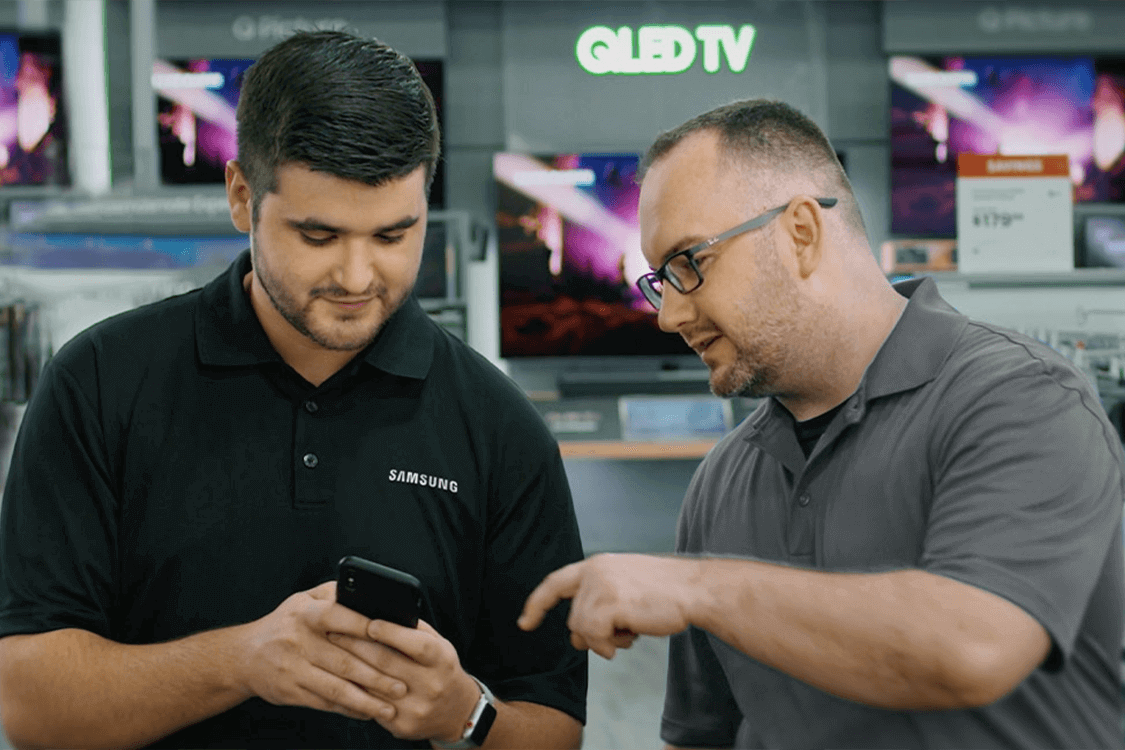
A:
(944, 106)
(196, 104)
(33, 131)
(570, 255)
(197, 100)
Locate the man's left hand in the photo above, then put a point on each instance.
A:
(616, 598)
(439, 696)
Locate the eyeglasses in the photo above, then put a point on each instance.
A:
(681, 270)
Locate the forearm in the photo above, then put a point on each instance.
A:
(523, 725)
(71, 688)
(897, 640)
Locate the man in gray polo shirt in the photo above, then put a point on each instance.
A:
(915, 541)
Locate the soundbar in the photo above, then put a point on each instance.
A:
(579, 384)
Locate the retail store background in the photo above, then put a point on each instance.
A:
(512, 84)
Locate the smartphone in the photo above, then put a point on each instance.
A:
(378, 592)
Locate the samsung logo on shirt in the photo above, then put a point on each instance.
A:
(423, 480)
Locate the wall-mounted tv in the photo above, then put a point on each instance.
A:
(33, 123)
(1103, 241)
(570, 254)
(943, 106)
(196, 126)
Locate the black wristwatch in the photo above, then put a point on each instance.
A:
(480, 721)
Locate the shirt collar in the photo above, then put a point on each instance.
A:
(228, 332)
(911, 356)
(917, 346)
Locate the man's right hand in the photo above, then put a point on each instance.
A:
(288, 659)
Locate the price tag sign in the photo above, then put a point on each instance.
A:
(1014, 214)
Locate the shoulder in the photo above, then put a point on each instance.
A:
(129, 342)
(998, 380)
(990, 363)
(485, 394)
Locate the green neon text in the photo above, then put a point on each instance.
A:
(662, 49)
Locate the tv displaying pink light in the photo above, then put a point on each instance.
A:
(196, 124)
(570, 255)
(32, 118)
(197, 128)
(943, 106)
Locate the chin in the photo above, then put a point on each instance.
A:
(738, 385)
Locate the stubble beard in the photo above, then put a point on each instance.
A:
(300, 316)
(767, 333)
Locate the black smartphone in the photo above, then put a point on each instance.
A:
(378, 592)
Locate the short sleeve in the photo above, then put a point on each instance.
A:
(699, 708)
(532, 531)
(1028, 497)
(58, 519)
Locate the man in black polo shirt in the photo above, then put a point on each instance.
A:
(188, 474)
(927, 509)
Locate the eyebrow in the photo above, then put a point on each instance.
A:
(682, 244)
(315, 225)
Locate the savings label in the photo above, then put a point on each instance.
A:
(1014, 213)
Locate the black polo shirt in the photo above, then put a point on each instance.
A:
(967, 451)
(173, 475)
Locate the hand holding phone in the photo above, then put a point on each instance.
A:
(378, 592)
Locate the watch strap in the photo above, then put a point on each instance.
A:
(478, 724)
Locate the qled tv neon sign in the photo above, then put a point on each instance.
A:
(662, 50)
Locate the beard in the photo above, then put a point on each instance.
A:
(765, 336)
(751, 375)
(301, 316)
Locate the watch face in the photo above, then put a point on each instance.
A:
(484, 723)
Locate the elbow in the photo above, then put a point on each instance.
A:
(976, 675)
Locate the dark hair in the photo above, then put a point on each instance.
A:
(766, 134)
(336, 103)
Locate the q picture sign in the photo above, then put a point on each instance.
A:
(1014, 214)
(663, 50)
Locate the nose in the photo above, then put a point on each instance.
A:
(675, 310)
(355, 272)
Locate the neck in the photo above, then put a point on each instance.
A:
(846, 351)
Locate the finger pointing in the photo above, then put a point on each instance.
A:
(562, 584)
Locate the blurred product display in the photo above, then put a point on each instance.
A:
(24, 349)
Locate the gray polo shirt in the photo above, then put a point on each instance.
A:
(967, 451)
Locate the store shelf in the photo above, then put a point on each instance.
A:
(620, 450)
(1077, 277)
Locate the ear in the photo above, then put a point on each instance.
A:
(805, 228)
(239, 197)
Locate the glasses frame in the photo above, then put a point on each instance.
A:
(647, 282)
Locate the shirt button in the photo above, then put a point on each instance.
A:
(311, 407)
(311, 460)
(803, 500)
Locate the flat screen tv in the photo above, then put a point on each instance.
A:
(943, 106)
(570, 254)
(1103, 241)
(33, 123)
(196, 126)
